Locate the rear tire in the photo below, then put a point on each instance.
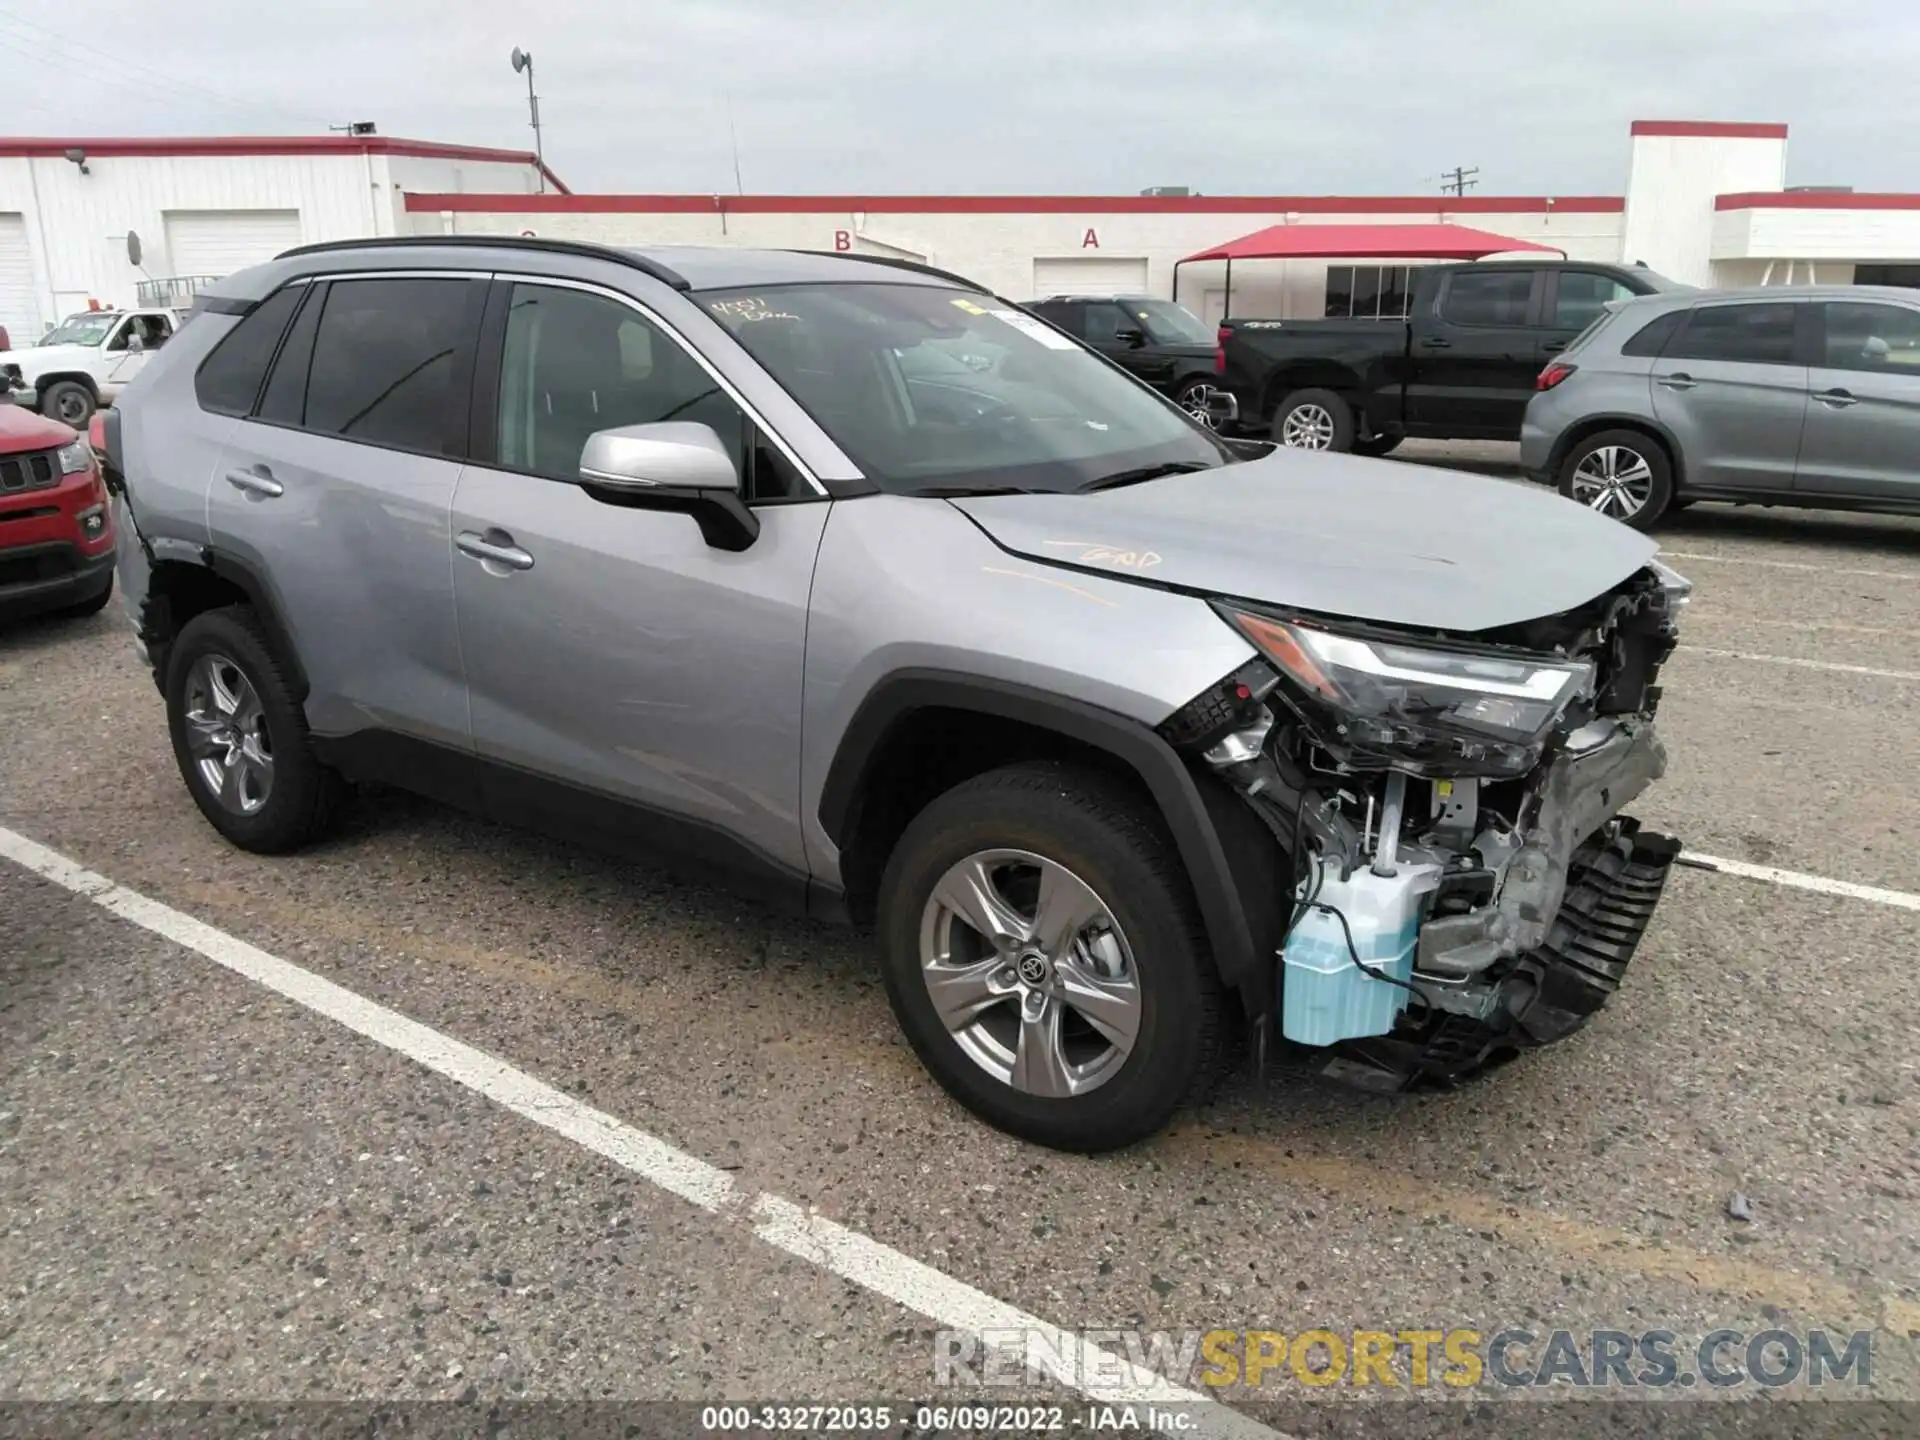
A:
(1192, 398)
(1622, 474)
(240, 736)
(1377, 445)
(1141, 959)
(69, 402)
(1314, 420)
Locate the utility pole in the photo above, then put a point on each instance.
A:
(1458, 181)
(524, 61)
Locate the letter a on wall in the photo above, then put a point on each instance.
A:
(1090, 240)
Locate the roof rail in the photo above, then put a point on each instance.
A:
(618, 256)
(899, 264)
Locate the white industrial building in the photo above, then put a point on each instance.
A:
(207, 207)
(1704, 202)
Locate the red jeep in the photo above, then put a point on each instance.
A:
(56, 532)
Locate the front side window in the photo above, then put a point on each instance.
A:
(1749, 334)
(1047, 415)
(1104, 322)
(1497, 297)
(576, 362)
(383, 361)
(1583, 298)
(1865, 336)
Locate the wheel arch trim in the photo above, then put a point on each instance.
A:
(1173, 788)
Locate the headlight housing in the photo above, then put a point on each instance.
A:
(1379, 704)
(76, 457)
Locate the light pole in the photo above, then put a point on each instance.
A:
(523, 61)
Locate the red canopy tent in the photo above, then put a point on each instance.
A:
(1339, 242)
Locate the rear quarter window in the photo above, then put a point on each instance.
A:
(1652, 337)
(228, 380)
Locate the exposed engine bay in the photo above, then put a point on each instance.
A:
(1465, 885)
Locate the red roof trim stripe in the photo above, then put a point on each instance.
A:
(1722, 129)
(110, 146)
(1815, 200)
(1020, 204)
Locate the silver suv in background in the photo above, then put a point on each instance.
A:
(1807, 396)
(1118, 738)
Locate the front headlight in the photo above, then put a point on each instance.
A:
(1379, 704)
(76, 457)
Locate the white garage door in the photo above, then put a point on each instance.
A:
(19, 301)
(1090, 275)
(218, 242)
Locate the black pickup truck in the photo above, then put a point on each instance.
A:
(1461, 367)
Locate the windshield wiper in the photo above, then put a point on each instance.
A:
(964, 492)
(1145, 472)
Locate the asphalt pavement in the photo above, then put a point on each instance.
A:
(213, 1191)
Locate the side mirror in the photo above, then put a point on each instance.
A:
(1132, 339)
(674, 465)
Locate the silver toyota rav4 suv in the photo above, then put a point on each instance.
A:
(849, 581)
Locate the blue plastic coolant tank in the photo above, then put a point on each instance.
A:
(1326, 996)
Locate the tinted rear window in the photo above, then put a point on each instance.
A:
(1750, 334)
(1500, 297)
(1652, 337)
(229, 379)
(383, 361)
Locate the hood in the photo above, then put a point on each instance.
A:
(21, 429)
(32, 359)
(1374, 540)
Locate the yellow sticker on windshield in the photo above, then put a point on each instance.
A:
(969, 307)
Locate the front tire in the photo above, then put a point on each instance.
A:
(1042, 952)
(1314, 420)
(1622, 474)
(240, 736)
(69, 402)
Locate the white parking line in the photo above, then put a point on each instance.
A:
(1799, 664)
(1819, 884)
(818, 1241)
(1789, 565)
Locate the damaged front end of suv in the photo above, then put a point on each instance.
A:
(1465, 885)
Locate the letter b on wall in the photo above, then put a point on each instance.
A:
(843, 240)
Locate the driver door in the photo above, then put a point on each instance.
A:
(132, 342)
(625, 677)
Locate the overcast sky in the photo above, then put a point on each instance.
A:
(980, 96)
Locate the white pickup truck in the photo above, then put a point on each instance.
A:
(85, 360)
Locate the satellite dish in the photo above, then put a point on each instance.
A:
(133, 250)
(521, 59)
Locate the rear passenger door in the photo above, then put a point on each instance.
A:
(1862, 436)
(335, 488)
(1474, 358)
(1729, 386)
(615, 651)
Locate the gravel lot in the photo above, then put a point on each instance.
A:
(212, 1193)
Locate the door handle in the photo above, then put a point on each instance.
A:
(1553, 347)
(256, 482)
(1837, 399)
(1434, 342)
(1679, 380)
(500, 552)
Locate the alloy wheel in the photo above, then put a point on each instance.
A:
(227, 735)
(1308, 427)
(70, 408)
(1030, 973)
(1613, 480)
(1194, 400)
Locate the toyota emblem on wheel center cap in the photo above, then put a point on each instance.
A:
(1033, 968)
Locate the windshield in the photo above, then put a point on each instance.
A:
(933, 389)
(89, 327)
(1170, 324)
